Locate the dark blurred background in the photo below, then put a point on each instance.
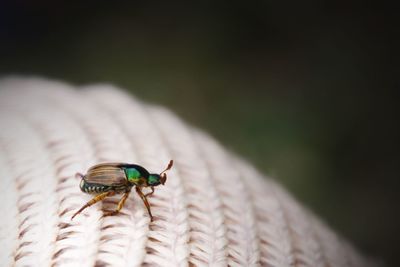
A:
(306, 90)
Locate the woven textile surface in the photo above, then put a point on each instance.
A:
(215, 209)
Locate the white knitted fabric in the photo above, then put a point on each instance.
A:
(214, 210)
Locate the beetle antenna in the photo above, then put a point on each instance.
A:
(171, 162)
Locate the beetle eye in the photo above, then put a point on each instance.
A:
(163, 178)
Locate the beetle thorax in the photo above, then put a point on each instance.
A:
(135, 176)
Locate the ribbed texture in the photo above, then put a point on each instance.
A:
(214, 210)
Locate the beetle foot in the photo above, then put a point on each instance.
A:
(110, 213)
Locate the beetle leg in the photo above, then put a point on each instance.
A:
(146, 203)
(93, 201)
(119, 207)
(152, 191)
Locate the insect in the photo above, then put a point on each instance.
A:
(107, 179)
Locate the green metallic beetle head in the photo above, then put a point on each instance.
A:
(155, 179)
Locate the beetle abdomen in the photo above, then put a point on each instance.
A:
(92, 188)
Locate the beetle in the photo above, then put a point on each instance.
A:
(108, 179)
